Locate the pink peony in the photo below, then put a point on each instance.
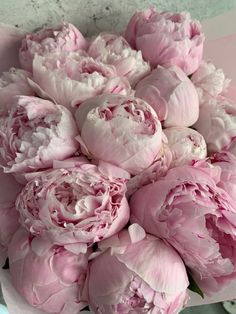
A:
(115, 50)
(197, 218)
(153, 173)
(35, 133)
(186, 145)
(8, 215)
(141, 274)
(76, 204)
(217, 123)
(209, 80)
(172, 95)
(124, 131)
(227, 164)
(71, 78)
(13, 83)
(62, 38)
(49, 277)
(167, 38)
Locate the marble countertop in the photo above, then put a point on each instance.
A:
(93, 16)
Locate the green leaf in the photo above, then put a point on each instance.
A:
(193, 286)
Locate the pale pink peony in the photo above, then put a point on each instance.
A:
(217, 123)
(227, 163)
(49, 277)
(9, 217)
(153, 173)
(62, 38)
(186, 145)
(139, 274)
(209, 80)
(114, 49)
(76, 204)
(172, 95)
(197, 218)
(124, 131)
(71, 78)
(13, 83)
(167, 38)
(35, 133)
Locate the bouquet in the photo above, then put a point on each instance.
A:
(118, 158)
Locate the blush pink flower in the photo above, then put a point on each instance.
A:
(48, 276)
(153, 173)
(35, 133)
(13, 83)
(209, 80)
(227, 164)
(62, 38)
(71, 78)
(217, 123)
(172, 95)
(124, 131)
(197, 218)
(167, 38)
(186, 145)
(76, 204)
(139, 274)
(114, 49)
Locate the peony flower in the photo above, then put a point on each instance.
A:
(186, 145)
(13, 83)
(227, 164)
(48, 276)
(71, 78)
(141, 275)
(209, 80)
(114, 49)
(124, 131)
(197, 218)
(9, 217)
(172, 95)
(35, 133)
(62, 38)
(75, 204)
(153, 173)
(167, 38)
(217, 123)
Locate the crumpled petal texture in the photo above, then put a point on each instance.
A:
(227, 164)
(74, 204)
(114, 49)
(71, 78)
(167, 38)
(124, 131)
(197, 218)
(171, 94)
(62, 38)
(186, 145)
(35, 133)
(153, 173)
(13, 83)
(210, 80)
(147, 277)
(217, 123)
(51, 281)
